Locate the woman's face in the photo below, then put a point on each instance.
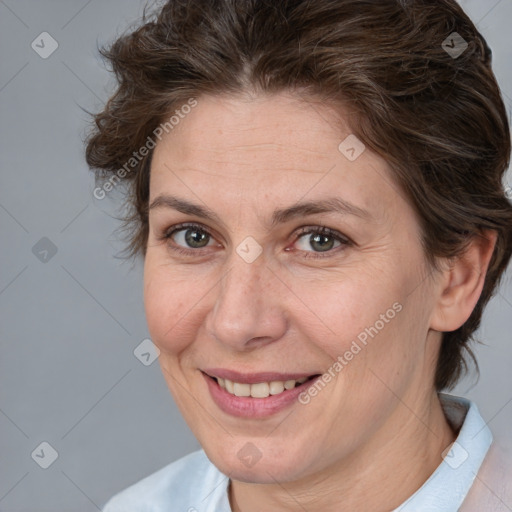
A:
(257, 297)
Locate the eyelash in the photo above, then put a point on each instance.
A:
(320, 230)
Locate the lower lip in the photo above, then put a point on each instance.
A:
(248, 407)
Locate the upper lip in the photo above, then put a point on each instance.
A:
(254, 377)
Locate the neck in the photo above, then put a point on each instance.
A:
(379, 477)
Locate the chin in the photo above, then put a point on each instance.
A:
(248, 464)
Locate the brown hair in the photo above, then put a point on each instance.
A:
(437, 117)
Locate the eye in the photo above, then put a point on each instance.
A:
(322, 238)
(188, 238)
(191, 235)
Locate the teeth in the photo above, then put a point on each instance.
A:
(259, 390)
(242, 389)
(289, 384)
(276, 387)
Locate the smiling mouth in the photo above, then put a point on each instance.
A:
(260, 389)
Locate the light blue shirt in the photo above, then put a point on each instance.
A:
(194, 484)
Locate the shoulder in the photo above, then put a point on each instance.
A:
(492, 487)
(174, 487)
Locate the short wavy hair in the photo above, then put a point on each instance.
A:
(436, 116)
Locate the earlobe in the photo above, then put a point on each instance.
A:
(462, 283)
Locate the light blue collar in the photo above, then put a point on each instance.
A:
(448, 486)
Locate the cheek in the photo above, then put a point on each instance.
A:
(366, 325)
(353, 304)
(169, 307)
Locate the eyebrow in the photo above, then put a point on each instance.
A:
(280, 216)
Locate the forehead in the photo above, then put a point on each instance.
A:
(277, 148)
(278, 125)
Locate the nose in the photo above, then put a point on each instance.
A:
(249, 310)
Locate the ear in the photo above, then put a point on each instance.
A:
(461, 284)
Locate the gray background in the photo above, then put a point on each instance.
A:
(71, 321)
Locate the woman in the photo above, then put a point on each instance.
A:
(317, 195)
